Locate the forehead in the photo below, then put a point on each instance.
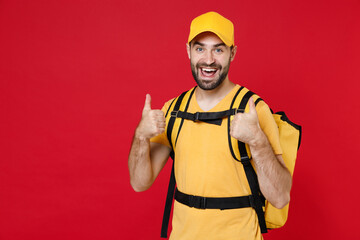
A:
(207, 38)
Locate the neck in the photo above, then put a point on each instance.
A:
(207, 99)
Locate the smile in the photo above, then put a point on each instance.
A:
(208, 72)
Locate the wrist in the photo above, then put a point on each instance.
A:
(139, 134)
(259, 139)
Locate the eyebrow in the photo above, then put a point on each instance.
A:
(216, 45)
(199, 43)
(219, 44)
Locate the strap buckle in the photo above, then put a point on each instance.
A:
(239, 110)
(197, 202)
(197, 115)
(245, 160)
(174, 114)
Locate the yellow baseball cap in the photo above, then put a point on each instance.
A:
(215, 23)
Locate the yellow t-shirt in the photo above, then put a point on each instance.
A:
(205, 167)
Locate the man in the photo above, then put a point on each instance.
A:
(204, 165)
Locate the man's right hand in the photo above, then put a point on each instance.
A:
(152, 121)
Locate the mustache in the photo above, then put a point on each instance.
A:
(213, 65)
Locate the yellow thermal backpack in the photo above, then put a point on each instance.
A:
(290, 136)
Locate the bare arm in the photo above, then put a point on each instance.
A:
(274, 178)
(147, 159)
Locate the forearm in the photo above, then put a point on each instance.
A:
(140, 168)
(146, 160)
(274, 178)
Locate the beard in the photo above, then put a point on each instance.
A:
(214, 84)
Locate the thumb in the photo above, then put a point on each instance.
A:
(147, 105)
(252, 109)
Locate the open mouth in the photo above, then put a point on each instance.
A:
(208, 72)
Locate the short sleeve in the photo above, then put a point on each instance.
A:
(269, 126)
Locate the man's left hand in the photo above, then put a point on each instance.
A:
(245, 127)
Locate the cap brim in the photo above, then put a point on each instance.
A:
(226, 41)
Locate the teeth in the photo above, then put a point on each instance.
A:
(209, 70)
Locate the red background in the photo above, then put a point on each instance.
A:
(73, 79)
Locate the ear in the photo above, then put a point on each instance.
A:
(233, 53)
(188, 49)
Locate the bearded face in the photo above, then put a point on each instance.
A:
(209, 77)
(210, 60)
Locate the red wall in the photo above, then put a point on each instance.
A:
(73, 79)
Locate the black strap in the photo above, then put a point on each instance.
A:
(168, 204)
(204, 116)
(172, 119)
(214, 203)
(167, 111)
(243, 153)
(229, 121)
(258, 100)
(251, 174)
(186, 108)
(172, 182)
(255, 191)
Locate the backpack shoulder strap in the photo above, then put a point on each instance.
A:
(245, 157)
(181, 103)
(238, 149)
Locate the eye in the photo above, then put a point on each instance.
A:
(218, 50)
(199, 49)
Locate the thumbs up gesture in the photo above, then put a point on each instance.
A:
(245, 126)
(152, 121)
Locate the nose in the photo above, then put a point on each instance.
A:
(209, 58)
